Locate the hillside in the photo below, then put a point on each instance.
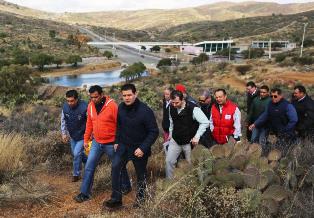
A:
(280, 27)
(25, 35)
(277, 27)
(162, 19)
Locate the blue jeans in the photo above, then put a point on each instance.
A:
(119, 162)
(259, 135)
(78, 156)
(96, 152)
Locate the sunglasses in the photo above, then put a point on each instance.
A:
(274, 96)
(201, 101)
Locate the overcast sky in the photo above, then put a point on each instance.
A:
(105, 5)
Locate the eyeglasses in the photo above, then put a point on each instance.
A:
(201, 101)
(274, 96)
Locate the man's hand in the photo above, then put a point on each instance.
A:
(194, 141)
(138, 153)
(85, 145)
(65, 138)
(251, 127)
(115, 147)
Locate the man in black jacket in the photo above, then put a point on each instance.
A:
(252, 92)
(304, 106)
(137, 131)
(187, 124)
(165, 115)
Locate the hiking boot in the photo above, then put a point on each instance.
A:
(113, 204)
(126, 191)
(81, 198)
(75, 178)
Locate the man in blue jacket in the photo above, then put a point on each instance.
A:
(73, 122)
(281, 118)
(136, 133)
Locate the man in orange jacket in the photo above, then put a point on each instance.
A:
(101, 125)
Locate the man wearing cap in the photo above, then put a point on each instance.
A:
(187, 97)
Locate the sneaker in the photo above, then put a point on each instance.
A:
(81, 198)
(126, 191)
(113, 204)
(76, 178)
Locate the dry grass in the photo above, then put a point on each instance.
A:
(12, 154)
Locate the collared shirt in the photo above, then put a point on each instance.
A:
(302, 98)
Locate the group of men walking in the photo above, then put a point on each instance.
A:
(127, 132)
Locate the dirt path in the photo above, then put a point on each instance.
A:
(233, 81)
(62, 204)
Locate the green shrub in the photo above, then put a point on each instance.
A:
(280, 57)
(133, 71)
(108, 54)
(16, 85)
(164, 62)
(74, 59)
(243, 69)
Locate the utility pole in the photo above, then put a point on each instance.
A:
(269, 51)
(114, 36)
(301, 53)
(230, 49)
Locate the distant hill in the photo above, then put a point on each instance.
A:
(276, 27)
(163, 19)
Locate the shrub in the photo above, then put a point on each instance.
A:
(134, 71)
(52, 34)
(221, 66)
(164, 62)
(280, 57)
(16, 85)
(40, 60)
(74, 59)
(57, 61)
(12, 153)
(3, 35)
(305, 60)
(155, 48)
(243, 69)
(108, 54)
(253, 53)
(35, 120)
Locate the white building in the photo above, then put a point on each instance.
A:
(209, 47)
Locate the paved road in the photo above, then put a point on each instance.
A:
(126, 54)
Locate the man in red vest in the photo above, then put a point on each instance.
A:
(225, 119)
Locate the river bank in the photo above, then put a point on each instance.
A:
(108, 65)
